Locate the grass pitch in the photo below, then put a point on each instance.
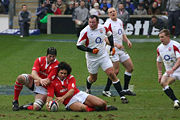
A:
(17, 57)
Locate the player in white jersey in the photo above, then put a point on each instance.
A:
(92, 40)
(115, 25)
(168, 53)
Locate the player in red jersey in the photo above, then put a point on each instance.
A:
(43, 71)
(66, 92)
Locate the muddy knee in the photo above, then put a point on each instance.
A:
(21, 79)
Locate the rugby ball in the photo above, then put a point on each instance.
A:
(53, 106)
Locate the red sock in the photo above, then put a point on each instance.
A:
(30, 107)
(89, 109)
(17, 89)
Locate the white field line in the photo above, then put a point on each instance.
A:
(64, 40)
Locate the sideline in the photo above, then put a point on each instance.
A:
(69, 40)
(96, 90)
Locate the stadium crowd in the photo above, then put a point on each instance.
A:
(125, 8)
(140, 7)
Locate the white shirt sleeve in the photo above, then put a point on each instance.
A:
(82, 38)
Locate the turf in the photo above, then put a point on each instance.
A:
(17, 57)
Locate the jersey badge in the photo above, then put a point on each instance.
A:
(101, 31)
(169, 48)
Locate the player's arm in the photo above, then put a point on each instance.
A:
(50, 95)
(67, 95)
(47, 102)
(81, 44)
(159, 65)
(38, 80)
(83, 48)
(125, 39)
(71, 89)
(111, 41)
(159, 69)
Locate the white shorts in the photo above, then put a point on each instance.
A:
(37, 89)
(79, 97)
(120, 56)
(40, 90)
(175, 75)
(104, 63)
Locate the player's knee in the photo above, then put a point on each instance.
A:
(102, 104)
(92, 79)
(38, 104)
(130, 70)
(163, 84)
(112, 75)
(20, 79)
(116, 72)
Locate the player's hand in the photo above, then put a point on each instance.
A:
(129, 44)
(95, 51)
(112, 50)
(169, 72)
(44, 82)
(47, 106)
(60, 99)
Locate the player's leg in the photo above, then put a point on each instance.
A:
(107, 67)
(165, 81)
(106, 91)
(170, 21)
(93, 70)
(40, 100)
(177, 23)
(98, 104)
(90, 80)
(79, 107)
(23, 79)
(127, 76)
(91, 103)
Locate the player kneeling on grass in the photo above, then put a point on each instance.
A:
(66, 92)
(44, 70)
(168, 52)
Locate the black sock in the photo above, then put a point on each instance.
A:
(108, 85)
(127, 79)
(88, 84)
(118, 88)
(169, 92)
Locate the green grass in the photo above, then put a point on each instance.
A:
(18, 54)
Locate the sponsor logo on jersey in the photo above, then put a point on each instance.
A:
(98, 40)
(167, 57)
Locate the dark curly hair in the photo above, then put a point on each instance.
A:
(64, 66)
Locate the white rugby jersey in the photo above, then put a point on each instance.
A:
(94, 39)
(116, 27)
(168, 54)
